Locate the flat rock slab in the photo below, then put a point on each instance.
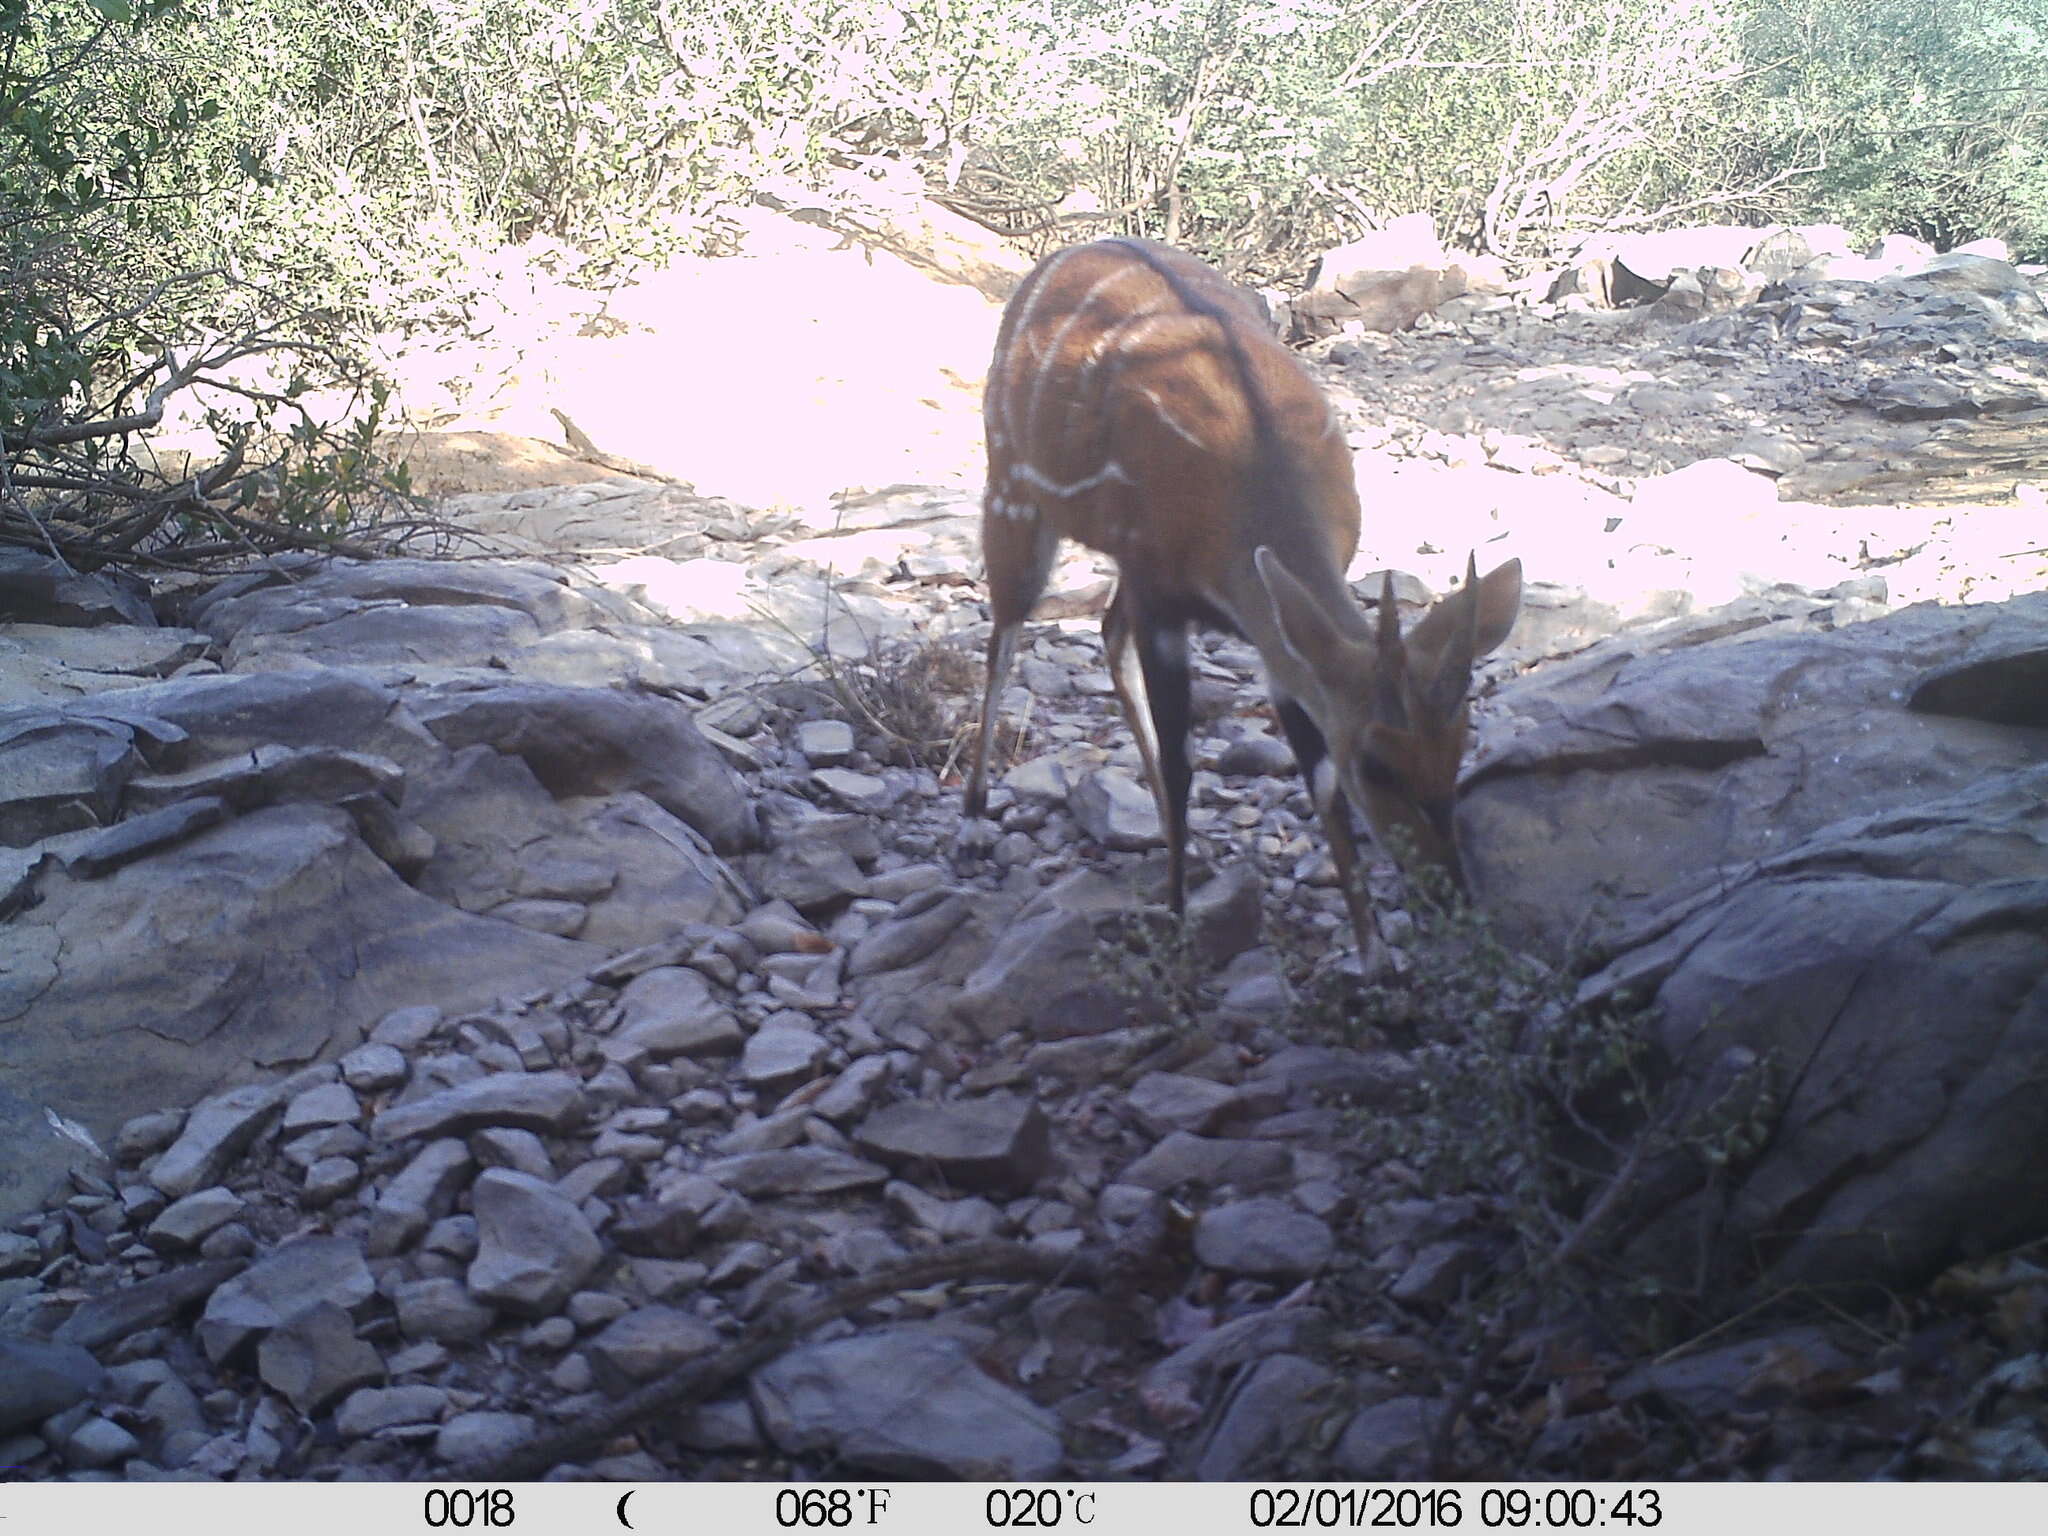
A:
(643, 1343)
(1651, 761)
(145, 1304)
(333, 1103)
(39, 1377)
(189, 721)
(1721, 1380)
(371, 1409)
(1265, 1238)
(1117, 811)
(1209, 1162)
(534, 1247)
(1042, 976)
(905, 1403)
(825, 743)
(422, 1191)
(1271, 1412)
(598, 741)
(441, 1308)
(1891, 968)
(795, 1171)
(185, 1223)
(812, 873)
(918, 927)
(316, 1357)
(618, 869)
(1001, 1142)
(99, 1442)
(1178, 1386)
(423, 613)
(783, 1055)
(300, 1275)
(291, 939)
(481, 1435)
(215, 1134)
(59, 773)
(139, 836)
(1173, 1101)
(268, 776)
(670, 1011)
(1390, 1439)
(41, 589)
(542, 1102)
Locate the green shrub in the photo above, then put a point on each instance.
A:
(1927, 119)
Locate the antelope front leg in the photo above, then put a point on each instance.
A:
(1374, 958)
(1152, 685)
(1017, 546)
(1312, 755)
(1002, 649)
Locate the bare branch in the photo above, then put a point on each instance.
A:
(1711, 199)
(152, 414)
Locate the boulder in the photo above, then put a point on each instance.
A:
(290, 940)
(1383, 281)
(633, 869)
(186, 721)
(1047, 972)
(1663, 755)
(594, 741)
(42, 662)
(59, 773)
(1821, 857)
(534, 1247)
(35, 588)
(302, 1274)
(904, 1403)
(1000, 1142)
(39, 1378)
(1889, 976)
(404, 612)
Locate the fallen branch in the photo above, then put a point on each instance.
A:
(151, 414)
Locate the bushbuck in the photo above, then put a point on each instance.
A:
(1138, 403)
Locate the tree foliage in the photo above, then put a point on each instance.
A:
(1932, 119)
(185, 184)
(114, 297)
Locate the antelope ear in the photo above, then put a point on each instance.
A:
(1482, 611)
(1500, 603)
(1305, 629)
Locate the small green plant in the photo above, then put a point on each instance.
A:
(1564, 1120)
(1148, 958)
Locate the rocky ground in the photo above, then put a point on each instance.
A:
(685, 1100)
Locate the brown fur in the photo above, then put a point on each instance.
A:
(1138, 403)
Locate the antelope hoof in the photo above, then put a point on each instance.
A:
(1376, 962)
(1371, 965)
(975, 837)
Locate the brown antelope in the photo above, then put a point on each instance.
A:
(1138, 403)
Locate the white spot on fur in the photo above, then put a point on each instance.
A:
(1159, 409)
(1013, 511)
(1031, 475)
(1059, 337)
(1023, 325)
